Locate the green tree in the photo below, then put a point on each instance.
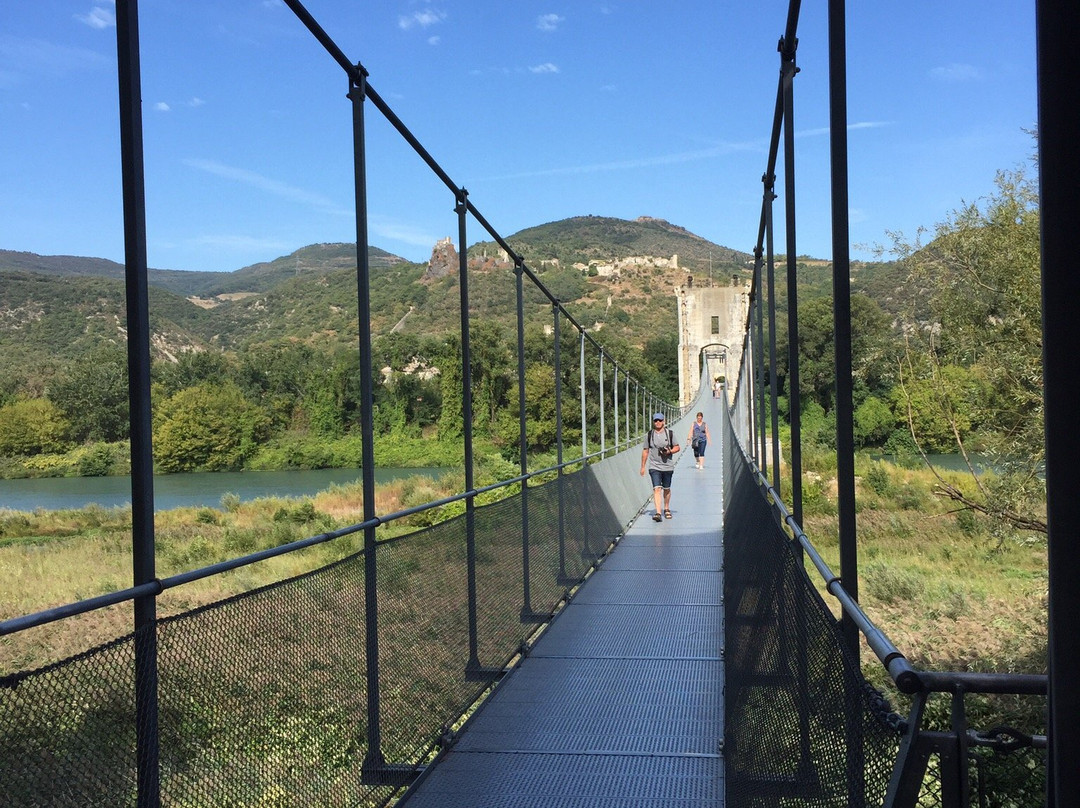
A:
(871, 338)
(207, 428)
(980, 278)
(190, 369)
(490, 363)
(540, 416)
(874, 422)
(31, 427)
(662, 354)
(451, 423)
(93, 395)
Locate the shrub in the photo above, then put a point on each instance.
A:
(96, 461)
(879, 479)
(890, 585)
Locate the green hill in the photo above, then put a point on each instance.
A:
(582, 239)
(611, 274)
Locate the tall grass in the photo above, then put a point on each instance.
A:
(51, 558)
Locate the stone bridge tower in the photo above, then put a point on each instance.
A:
(711, 318)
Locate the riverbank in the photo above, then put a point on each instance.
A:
(201, 489)
(391, 450)
(51, 558)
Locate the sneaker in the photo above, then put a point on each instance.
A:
(657, 517)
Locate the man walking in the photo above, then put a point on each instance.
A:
(660, 445)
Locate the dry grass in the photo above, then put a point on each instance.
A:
(951, 596)
(52, 558)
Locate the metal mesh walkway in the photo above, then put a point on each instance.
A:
(620, 702)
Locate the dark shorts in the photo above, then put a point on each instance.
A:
(660, 479)
(699, 448)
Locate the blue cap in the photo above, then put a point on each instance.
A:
(658, 416)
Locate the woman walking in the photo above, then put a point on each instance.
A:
(699, 439)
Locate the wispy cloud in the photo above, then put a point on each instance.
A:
(161, 106)
(546, 67)
(21, 56)
(196, 102)
(434, 40)
(549, 22)
(422, 19)
(269, 186)
(100, 16)
(640, 162)
(851, 127)
(956, 71)
(404, 232)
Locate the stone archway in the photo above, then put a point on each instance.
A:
(710, 317)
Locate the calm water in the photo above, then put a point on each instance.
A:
(180, 490)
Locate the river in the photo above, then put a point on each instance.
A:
(183, 490)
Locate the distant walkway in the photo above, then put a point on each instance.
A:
(620, 702)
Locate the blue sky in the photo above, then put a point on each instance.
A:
(542, 109)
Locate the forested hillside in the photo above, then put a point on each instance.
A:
(266, 354)
(945, 347)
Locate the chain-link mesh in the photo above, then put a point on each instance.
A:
(1010, 779)
(263, 697)
(802, 726)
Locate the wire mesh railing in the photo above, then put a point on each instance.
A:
(805, 727)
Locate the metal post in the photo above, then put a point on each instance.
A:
(751, 393)
(615, 387)
(770, 263)
(845, 440)
(473, 669)
(374, 769)
(562, 579)
(584, 429)
(603, 405)
(626, 399)
(788, 72)
(759, 363)
(527, 613)
(1058, 30)
(148, 774)
(586, 553)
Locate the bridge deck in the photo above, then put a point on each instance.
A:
(621, 700)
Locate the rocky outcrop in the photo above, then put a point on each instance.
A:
(444, 260)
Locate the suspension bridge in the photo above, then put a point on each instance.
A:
(553, 648)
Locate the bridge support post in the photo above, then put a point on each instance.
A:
(1057, 31)
(561, 579)
(527, 613)
(148, 774)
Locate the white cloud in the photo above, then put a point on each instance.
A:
(98, 17)
(639, 162)
(269, 186)
(956, 72)
(391, 229)
(546, 67)
(434, 40)
(423, 19)
(196, 102)
(161, 106)
(549, 22)
(38, 56)
(851, 127)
